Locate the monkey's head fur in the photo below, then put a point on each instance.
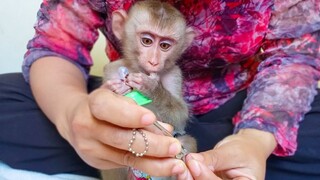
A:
(152, 33)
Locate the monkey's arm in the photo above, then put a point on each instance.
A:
(168, 100)
(110, 70)
(166, 94)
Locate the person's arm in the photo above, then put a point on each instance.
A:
(60, 91)
(57, 86)
(285, 86)
(65, 29)
(278, 98)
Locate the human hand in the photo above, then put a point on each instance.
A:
(239, 156)
(100, 128)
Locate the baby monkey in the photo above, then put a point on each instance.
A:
(153, 36)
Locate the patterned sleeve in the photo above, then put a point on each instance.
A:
(285, 86)
(67, 29)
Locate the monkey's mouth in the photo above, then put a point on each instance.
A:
(152, 72)
(149, 71)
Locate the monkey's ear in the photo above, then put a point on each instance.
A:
(190, 34)
(119, 18)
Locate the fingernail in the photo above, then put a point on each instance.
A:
(196, 156)
(147, 119)
(174, 148)
(194, 167)
(178, 168)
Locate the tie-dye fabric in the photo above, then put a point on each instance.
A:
(269, 47)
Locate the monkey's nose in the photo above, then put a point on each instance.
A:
(153, 63)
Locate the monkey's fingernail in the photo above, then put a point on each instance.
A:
(147, 119)
(174, 148)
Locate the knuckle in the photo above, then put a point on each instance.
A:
(84, 148)
(94, 101)
(156, 143)
(117, 139)
(98, 103)
(129, 159)
(78, 126)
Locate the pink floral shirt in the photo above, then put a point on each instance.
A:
(269, 47)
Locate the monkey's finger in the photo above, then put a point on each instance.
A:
(113, 81)
(136, 78)
(119, 110)
(124, 89)
(135, 85)
(141, 141)
(112, 84)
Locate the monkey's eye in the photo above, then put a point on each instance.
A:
(165, 45)
(146, 40)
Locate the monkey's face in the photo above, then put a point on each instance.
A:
(154, 50)
(153, 33)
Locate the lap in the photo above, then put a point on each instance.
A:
(28, 140)
(305, 163)
(209, 129)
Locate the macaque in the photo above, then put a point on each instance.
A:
(153, 36)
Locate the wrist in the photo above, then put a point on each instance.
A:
(263, 139)
(64, 122)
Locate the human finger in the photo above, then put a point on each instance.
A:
(153, 128)
(186, 175)
(119, 110)
(222, 158)
(230, 160)
(147, 164)
(139, 140)
(159, 167)
(199, 170)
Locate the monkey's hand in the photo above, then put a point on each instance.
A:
(117, 86)
(142, 82)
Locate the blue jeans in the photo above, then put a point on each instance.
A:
(28, 140)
